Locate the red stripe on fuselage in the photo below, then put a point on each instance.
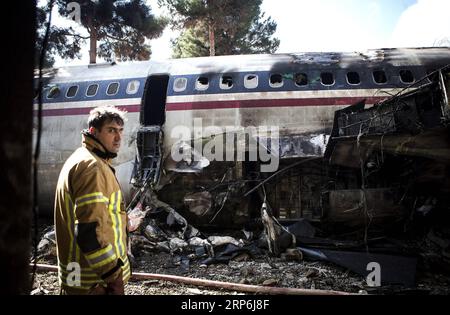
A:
(294, 102)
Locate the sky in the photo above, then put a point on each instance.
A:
(335, 25)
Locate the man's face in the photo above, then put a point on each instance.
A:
(110, 135)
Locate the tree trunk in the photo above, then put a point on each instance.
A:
(16, 157)
(93, 46)
(212, 39)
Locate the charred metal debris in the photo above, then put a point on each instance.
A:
(378, 191)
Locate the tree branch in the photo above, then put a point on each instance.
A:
(75, 35)
(118, 39)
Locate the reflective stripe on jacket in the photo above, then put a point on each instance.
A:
(90, 220)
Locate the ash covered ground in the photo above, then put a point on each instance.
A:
(262, 269)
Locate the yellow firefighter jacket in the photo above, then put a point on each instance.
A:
(90, 220)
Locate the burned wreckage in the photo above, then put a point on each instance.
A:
(339, 156)
(380, 180)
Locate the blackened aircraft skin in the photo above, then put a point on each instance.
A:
(297, 92)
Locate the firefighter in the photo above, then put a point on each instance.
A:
(90, 217)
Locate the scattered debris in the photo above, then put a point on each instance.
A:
(278, 237)
(199, 203)
(292, 254)
(393, 269)
(135, 218)
(222, 240)
(47, 245)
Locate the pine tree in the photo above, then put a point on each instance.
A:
(226, 27)
(58, 43)
(121, 27)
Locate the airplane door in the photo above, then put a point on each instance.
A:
(149, 136)
(154, 102)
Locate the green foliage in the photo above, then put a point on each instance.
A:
(58, 43)
(192, 43)
(232, 26)
(122, 27)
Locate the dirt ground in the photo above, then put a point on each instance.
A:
(261, 270)
(273, 272)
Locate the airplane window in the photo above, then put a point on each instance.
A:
(179, 85)
(327, 78)
(92, 90)
(251, 81)
(379, 76)
(301, 79)
(406, 76)
(226, 82)
(133, 87)
(53, 92)
(72, 91)
(202, 83)
(276, 80)
(353, 78)
(112, 88)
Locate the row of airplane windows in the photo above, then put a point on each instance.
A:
(92, 90)
(276, 80)
(202, 83)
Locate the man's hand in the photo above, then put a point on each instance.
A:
(116, 287)
(97, 290)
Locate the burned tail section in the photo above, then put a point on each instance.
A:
(401, 150)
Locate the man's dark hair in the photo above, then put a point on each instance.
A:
(100, 115)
